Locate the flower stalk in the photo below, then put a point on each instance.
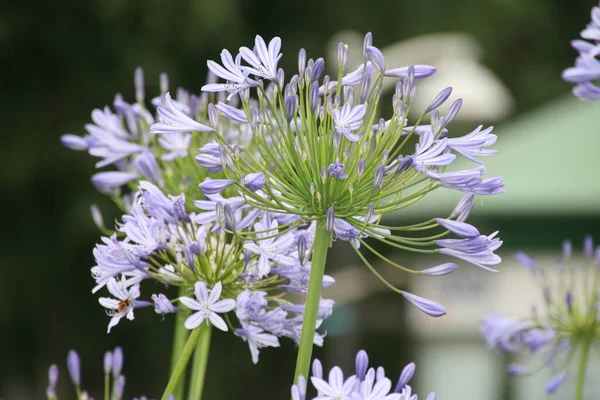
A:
(200, 361)
(581, 370)
(313, 296)
(179, 336)
(186, 353)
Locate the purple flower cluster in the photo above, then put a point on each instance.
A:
(570, 324)
(318, 153)
(186, 226)
(366, 384)
(112, 366)
(586, 71)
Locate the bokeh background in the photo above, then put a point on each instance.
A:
(59, 60)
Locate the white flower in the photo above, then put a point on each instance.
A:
(123, 305)
(336, 388)
(207, 305)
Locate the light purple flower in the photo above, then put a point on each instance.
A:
(251, 305)
(473, 144)
(162, 305)
(145, 163)
(109, 181)
(174, 120)
(149, 234)
(478, 251)
(232, 72)
(256, 339)
(114, 258)
(431, 154)
(504, 333)
(586, 71)
(348, 119)
(207, 306)
(177, 145)
(336, 170)
(262, 59)
(429, 307)
(272, 249)
(254, 181)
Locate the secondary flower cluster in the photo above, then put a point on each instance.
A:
(586, 71)
(113, 366)
(167, 237)
(366, 384)
(320, 153)
(568, 324)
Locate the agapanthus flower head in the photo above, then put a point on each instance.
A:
(368, 383)
(180, 210)
(324, 155)
(565, 329)
(586, 71)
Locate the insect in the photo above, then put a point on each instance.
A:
(124, 305)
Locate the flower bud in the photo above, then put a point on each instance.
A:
(342, 55)
(108, 361)
(329, 220)
(213, 116)
(117, 366)
(314, 100)
(317, 70)
(360, 168)
(369, 213)
(302, 249)
(376, 57)
(52, 375)
(164, 83)
(361, 363)
(229, 217)
(301, 62)
(429, 307)
(138, 82)
(443, 269)
(97, 217)
(254, 181)
(378, 177)
(119, 388)
(74, 367)
(405, 377)
(367, 42)
(453, 111)
(439, 99)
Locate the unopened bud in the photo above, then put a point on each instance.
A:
(329, 220)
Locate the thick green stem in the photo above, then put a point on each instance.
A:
(186, 353)
(107, 386)
(581, 370)
(180, 334)
(313, 296)
(200, 361)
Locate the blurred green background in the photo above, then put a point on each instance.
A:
(61, 59)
